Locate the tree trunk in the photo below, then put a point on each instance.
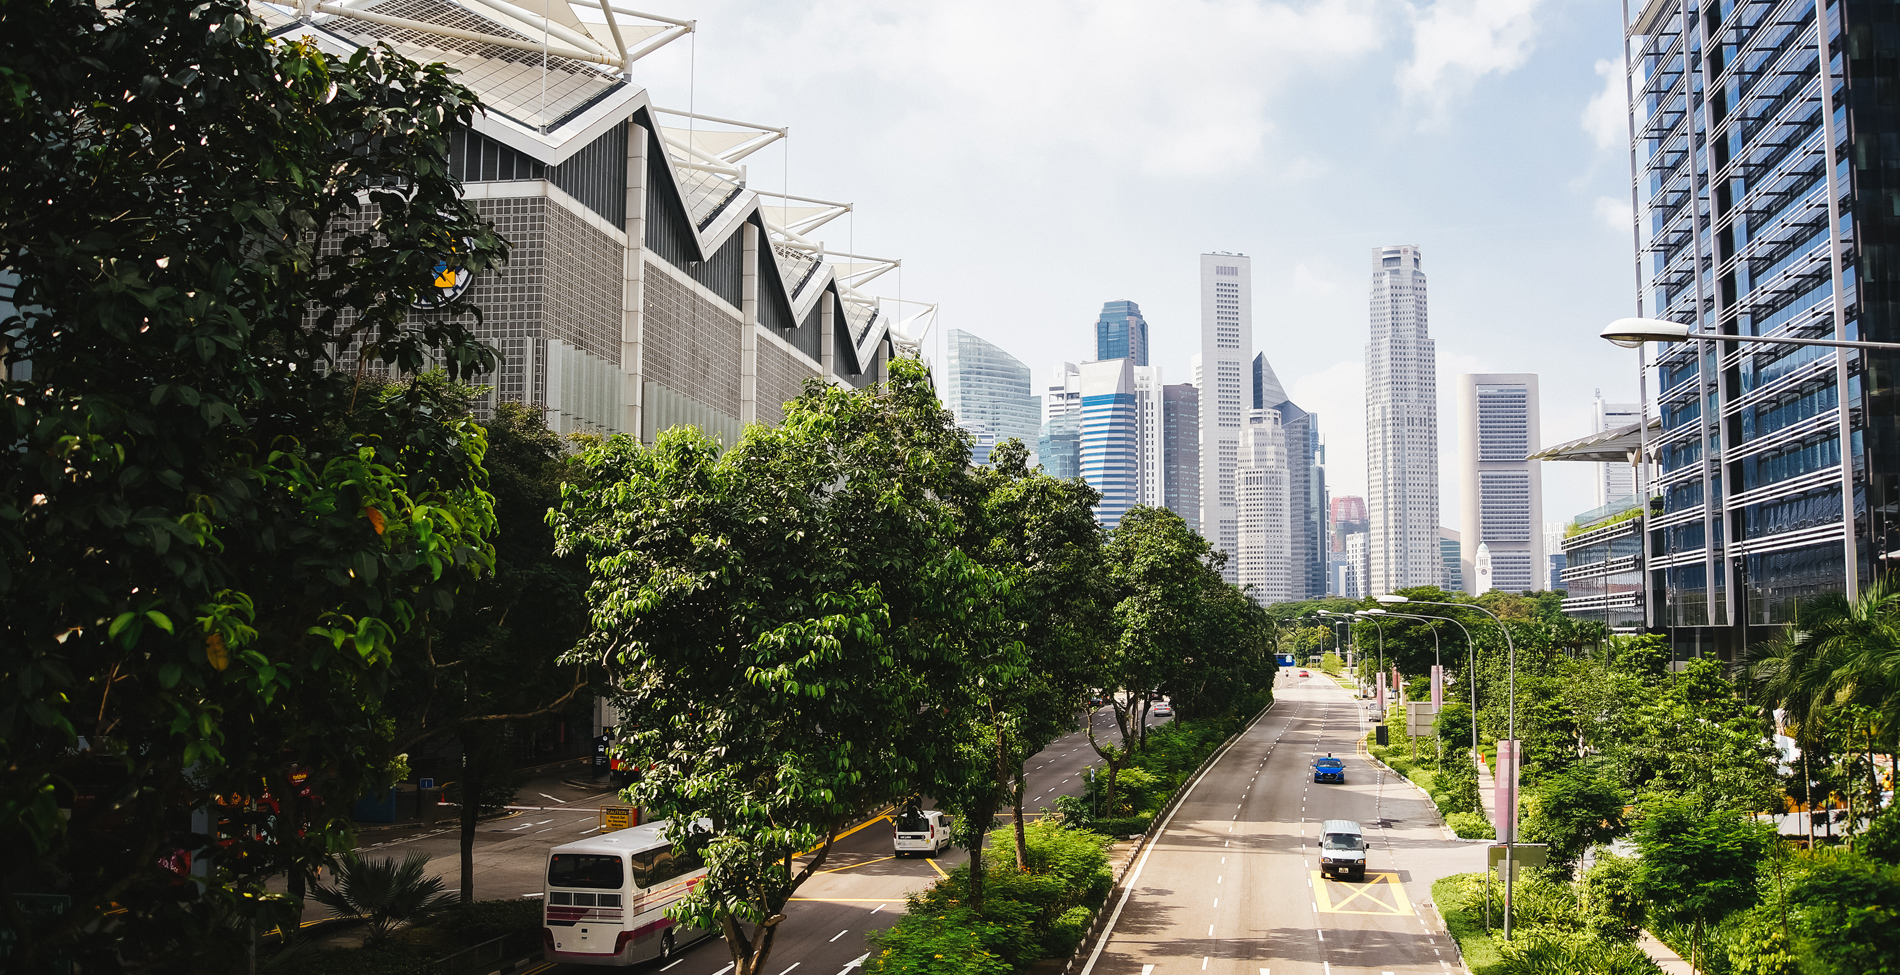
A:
(1022, 839)
(976, 864)
(471, 812)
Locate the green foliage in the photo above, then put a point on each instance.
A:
(1698, 867)
(1456, 785)
(212, 539)
(384, 892)
(1553, 933)
(1038, 913)
(1881, 839)
(1611, 897)
(1332, 664)
(1573, 810)
(1471, 826)
(1453, 725)
(1848, 915)
(1545, 951)
(1759, 946)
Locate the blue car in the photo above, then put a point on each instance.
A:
(1329, 769)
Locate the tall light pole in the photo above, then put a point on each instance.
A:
(1472, 674)
(1510, 723)
(1372, 614)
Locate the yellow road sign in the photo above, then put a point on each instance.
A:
(617, 817)
(1380, 893)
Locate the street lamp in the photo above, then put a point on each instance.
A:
(1510, 720)
(1631, 333)
(1373, 614)
(1472, 646)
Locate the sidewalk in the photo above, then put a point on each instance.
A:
(1664, 956)
(1487, 790)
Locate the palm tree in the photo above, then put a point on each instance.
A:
(384, 892)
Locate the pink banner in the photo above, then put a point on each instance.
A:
(1505, 794)
(1438, 687)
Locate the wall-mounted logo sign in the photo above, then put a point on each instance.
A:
(451, 279)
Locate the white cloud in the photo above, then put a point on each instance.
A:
(1614, 213)
(1182, 89)
(1606, 116)
(1457, 42)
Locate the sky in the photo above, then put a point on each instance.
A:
(1029, 161)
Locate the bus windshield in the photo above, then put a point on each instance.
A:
(586, 870)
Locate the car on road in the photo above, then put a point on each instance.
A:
(1162, 709)
(925, 831)
(1305, 674)
(1329, 769)
(1342, 849)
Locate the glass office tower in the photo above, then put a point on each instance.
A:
(1767, 191)
(1121, 332)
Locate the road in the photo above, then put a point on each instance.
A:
(861, 888)
(1232, 884)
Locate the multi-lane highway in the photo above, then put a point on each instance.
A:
(1232, 885)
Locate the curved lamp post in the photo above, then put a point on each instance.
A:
(1510, 720)
(1373, 615)
(1631, 333)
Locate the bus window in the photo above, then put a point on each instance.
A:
(655, 867)
(585, 870)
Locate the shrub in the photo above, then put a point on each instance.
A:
(1471, 826)
(480, 921)
(1456, 785)
(1611, 901)
(1067, 932)
(385, 893)
(1881, 841)
(1543, 951)
(1331, 664)
(1849, 914)
(1121, 826)
(1757, 946)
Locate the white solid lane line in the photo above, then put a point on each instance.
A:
(840, 934)
(795, 964)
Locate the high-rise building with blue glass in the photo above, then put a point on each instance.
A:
(1110, 437)
(1121, 333)
(988, 390)
(1767, 202)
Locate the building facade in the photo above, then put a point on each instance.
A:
(1765, 210)
(1306, 487)
(1348, 517)
(1221, 373)
(1358, 555)
(1614, 481)
(1110, 440)
(1263, 511)
(989, 391)
(1181, 452)
(1121, 332)
(1151, 466)
(1501, 491)
(1401, 427)
(1451, 557)
(648, 285)
(1059, 448)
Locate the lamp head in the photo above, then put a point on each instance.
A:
(1631, 333)
(1390, 599)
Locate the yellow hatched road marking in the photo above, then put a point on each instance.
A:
(933, 865)
(854, 866)
(1368, 892)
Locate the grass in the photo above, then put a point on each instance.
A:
(1464, 918)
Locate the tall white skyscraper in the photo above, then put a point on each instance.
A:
(1150, 460)
(1401, 428)
(1614, 481)
(1501, 493)
(1064, 392)
(1263, 512)
(1222, 373)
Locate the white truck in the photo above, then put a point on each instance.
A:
(921, 831)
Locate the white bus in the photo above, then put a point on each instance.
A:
(605, 899)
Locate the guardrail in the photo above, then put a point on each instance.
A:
(503, 954)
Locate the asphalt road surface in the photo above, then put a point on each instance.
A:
(1232, 885)
(861, 887)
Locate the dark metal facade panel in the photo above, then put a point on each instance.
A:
(596, 175)
(809, 336)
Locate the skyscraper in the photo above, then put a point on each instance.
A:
(1150, 450)
(1348, 518)
(1181, 452)
(1500, 492)
(1614, 481)
(1450, 555)
(1306, 481)
(1401, 428)
(1121, 332)
(1221, 373)
(988, 390)
(1110, 440)
(1064, 393)
(1059, 449)
(1263, 529)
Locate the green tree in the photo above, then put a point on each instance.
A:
(210, 538)
(384, 892)
(783, 626)
(1849, 915)
(1573, 810)
(1698, 866)
(1041, 533)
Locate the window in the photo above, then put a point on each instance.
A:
(585, 870)
(1223, 269)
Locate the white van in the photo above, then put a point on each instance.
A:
(1342, 849)
(605, 898)
(926, 832)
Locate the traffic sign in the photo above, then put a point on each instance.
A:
(425, 784)
(618, 817)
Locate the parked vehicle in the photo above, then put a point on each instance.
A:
(1329, 769)
(1342, 849)
(921, 831)
(605, 898)
(1162, 709)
